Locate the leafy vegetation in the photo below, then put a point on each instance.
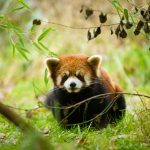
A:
(24, 81)
(137, 18)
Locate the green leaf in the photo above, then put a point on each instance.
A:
(24, 4)
(43, 49)
(22, 50)
(117, 5)
(37, 46)
(126, 14)
(46, 77)
(46, 31)
(47, 50)
(33, 28)
(18, 8)
(25, 50)
(23, 54)
(2, 17)
(13, 46)
(14, 49)
(21, 42)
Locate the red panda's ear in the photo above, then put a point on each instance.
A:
(95, 62)
(51, 63)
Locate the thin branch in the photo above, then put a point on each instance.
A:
(100, 96)
(78, 28)
(83, 101)
(100, 114)
(21, 109)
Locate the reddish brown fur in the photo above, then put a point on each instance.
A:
(72, 63)
(101, 83)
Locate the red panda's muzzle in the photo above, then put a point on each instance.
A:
(73, 85)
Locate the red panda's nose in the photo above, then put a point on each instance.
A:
(72, 84)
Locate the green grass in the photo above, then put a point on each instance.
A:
(125, 135)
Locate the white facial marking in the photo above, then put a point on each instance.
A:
(66, 73)
(58, 80)
(78, 72)
(73, 84)
(87, 80)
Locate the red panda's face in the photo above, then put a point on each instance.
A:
(74, 72)
(72, 82)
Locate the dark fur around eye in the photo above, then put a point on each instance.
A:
(64, 78)
(80, 77)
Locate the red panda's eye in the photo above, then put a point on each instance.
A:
(64, 78)
(80, 77)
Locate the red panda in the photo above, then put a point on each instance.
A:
(79, 82)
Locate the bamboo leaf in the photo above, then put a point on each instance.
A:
(117, 5)
(22, 50)
(46, 77)
(18, 8)
(24, 4)
(126, 14)
(21, 42)
(25, 50)
(44, 34)
(43, 46)
(37, 46)
(23, 54)
(14, 49)
(48, 51)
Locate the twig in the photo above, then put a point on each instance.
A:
(79, 28)
(145, 110)
(12, 107)
(100, 114)
(82, 101)
(100, 96)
